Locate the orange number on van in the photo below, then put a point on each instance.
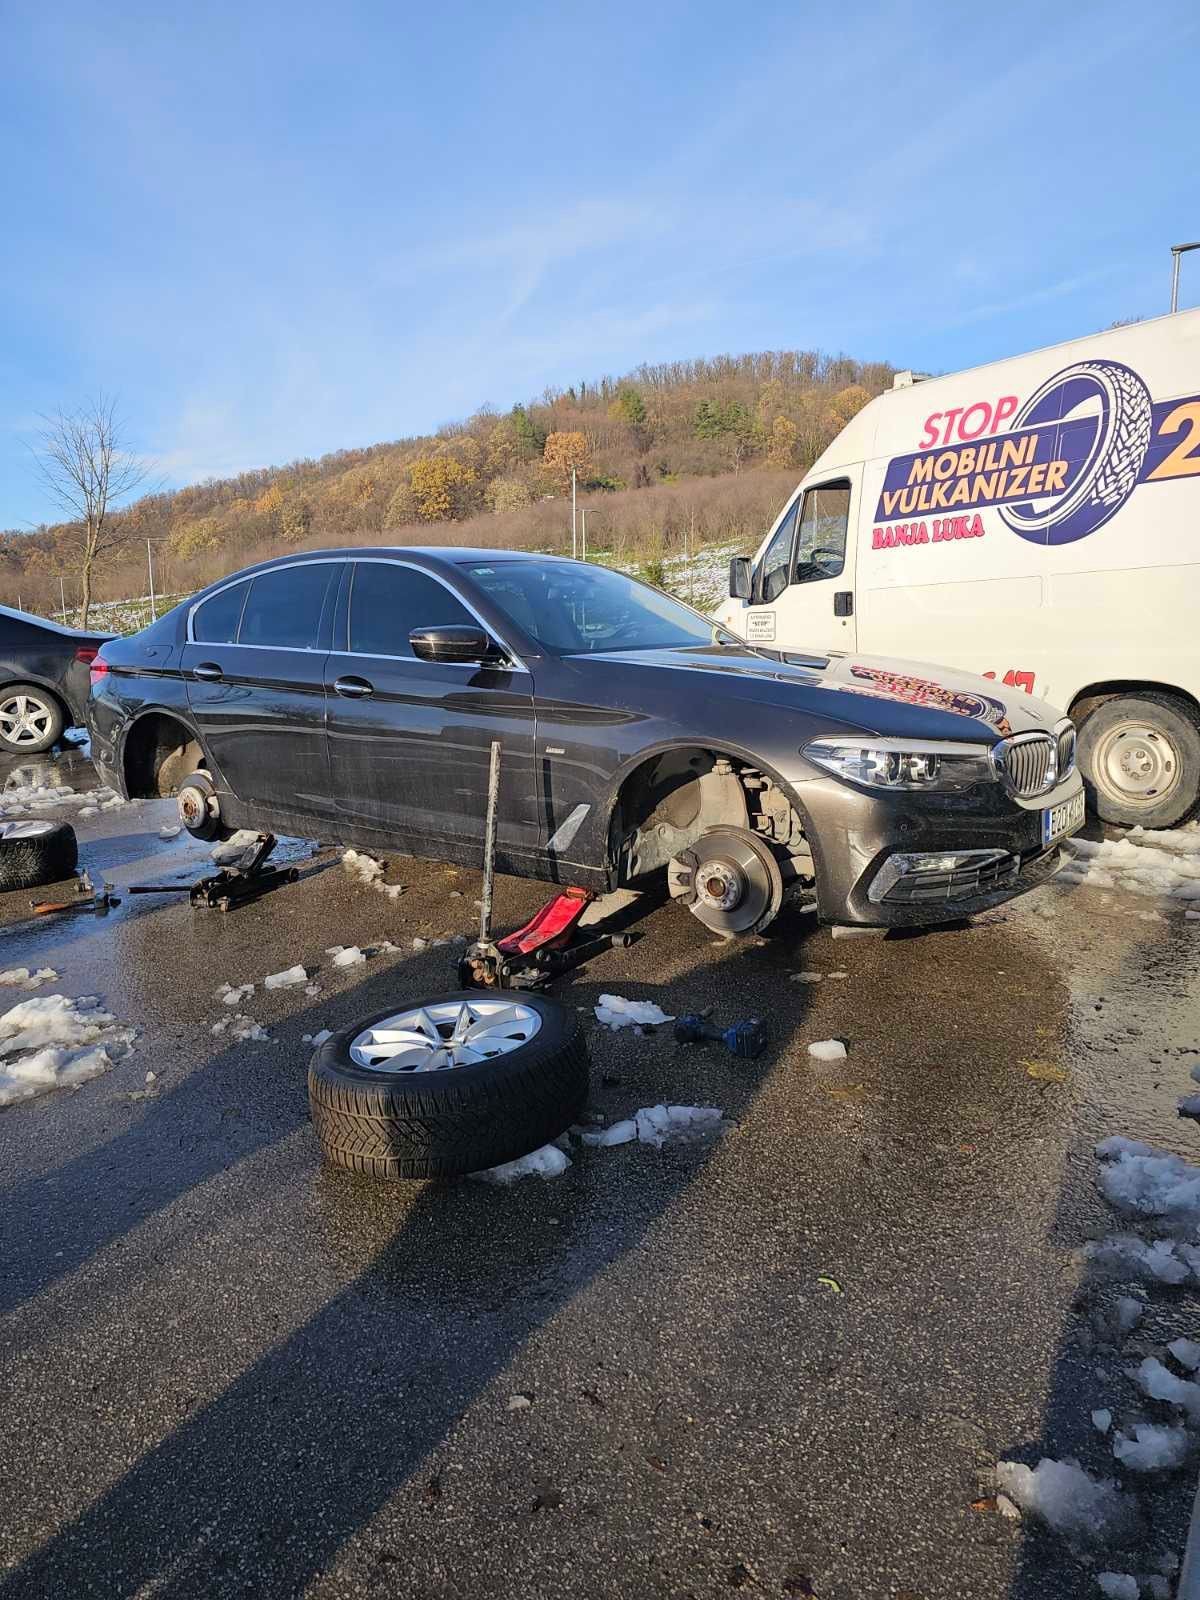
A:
(1184, 460)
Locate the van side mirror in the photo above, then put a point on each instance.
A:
(453, 643)
(739, 578)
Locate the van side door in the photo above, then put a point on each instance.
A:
(802, 596)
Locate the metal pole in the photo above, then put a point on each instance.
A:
(62, 592)
(489, 846)
(583, 548)
(1178, 250)
(150, 565)
(573, 544)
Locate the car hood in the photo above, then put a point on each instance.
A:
(890, 697)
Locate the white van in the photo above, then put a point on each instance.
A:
(1037, 521)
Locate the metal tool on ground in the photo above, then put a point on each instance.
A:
(233, 886)
(746, 1039)
(543, 949)
(88, 898)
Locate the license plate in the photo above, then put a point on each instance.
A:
(1063, 818)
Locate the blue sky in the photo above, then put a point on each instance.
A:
(274, 231)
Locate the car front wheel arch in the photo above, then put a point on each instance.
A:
(160, 751)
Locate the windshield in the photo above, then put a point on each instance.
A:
(573, 609)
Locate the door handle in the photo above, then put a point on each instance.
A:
(843, 603)
(208, 671)
(353, 688)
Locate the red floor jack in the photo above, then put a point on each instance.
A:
(543, 948)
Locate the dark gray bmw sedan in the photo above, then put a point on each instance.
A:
(353, 696)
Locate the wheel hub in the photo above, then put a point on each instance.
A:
(728, 879)
(445, 1034)
(1138, 764)
(193, 808)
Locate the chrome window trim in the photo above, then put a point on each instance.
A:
(515, 662)
(243, 577)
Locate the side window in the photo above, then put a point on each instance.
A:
(216, 621)
(387, 602)
(284, 607)
(821, 544)
(774, 571)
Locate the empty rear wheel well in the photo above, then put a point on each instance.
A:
(670, 799)
(160, 752)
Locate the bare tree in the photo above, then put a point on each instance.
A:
(88, 468)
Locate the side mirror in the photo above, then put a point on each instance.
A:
(739, 578)
(454, 643)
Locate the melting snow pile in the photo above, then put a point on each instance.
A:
(1153, 1379)
(615, 1013)
(346, 955)
(369, 871)
(1068, 1499)
(1152, 1448)
(1145, 861)
(52, 1042)
(547, 1162)
(657, 1126)
(1145, 1182)
(1125, 1256)
(285, 979)
(828, 1050)
(22, 978)
(23, 800)
(232, 994)
(240, 1026)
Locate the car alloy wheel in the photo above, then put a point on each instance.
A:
(445, 1034)
(28, 721)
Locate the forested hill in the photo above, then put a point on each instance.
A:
(707, 447)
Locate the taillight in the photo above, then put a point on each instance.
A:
(97, 666)
(87, 653)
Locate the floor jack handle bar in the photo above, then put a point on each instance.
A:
(489, 846)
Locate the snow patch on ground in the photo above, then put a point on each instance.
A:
(1125, 1256)
(286, 848)
(1145, 1182)
(1117, 1585)
(369, 871)
(1186, 1352)
(657, 1126)
(1152, 1448)
(32, 799)
(240, 1026)
(53, 1042)
(615, 1013)
(346, 955)
(1153, 1379)
(232, 994)
(1068, 1499)
(316, 1038)
(548, 1162)
(1146, 861)
(23, 978)
(285, 979)
(827, 1050)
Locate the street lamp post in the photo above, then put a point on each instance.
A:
(150, 543)
(1178, 250)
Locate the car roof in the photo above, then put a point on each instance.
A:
(457, 555)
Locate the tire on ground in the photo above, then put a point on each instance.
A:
(1172, 720)
(33, 852)
(463, 1119)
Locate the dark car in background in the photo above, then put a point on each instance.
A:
(353, 696)
(43, 680)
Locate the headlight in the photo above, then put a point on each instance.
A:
(937, 766)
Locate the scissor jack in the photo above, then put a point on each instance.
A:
(233, 886)
(534, 955)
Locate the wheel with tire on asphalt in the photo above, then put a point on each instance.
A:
(31, 719)
(449, 1085)
(34, 851)
(1140, 759)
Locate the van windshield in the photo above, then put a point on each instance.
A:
(571, 609)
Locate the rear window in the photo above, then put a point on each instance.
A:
(284, 607)
(216, 621)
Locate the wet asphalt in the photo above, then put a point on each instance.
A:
(782, 1361)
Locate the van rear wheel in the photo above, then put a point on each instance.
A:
(1140, 758)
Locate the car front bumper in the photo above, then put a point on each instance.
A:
(910, 860)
